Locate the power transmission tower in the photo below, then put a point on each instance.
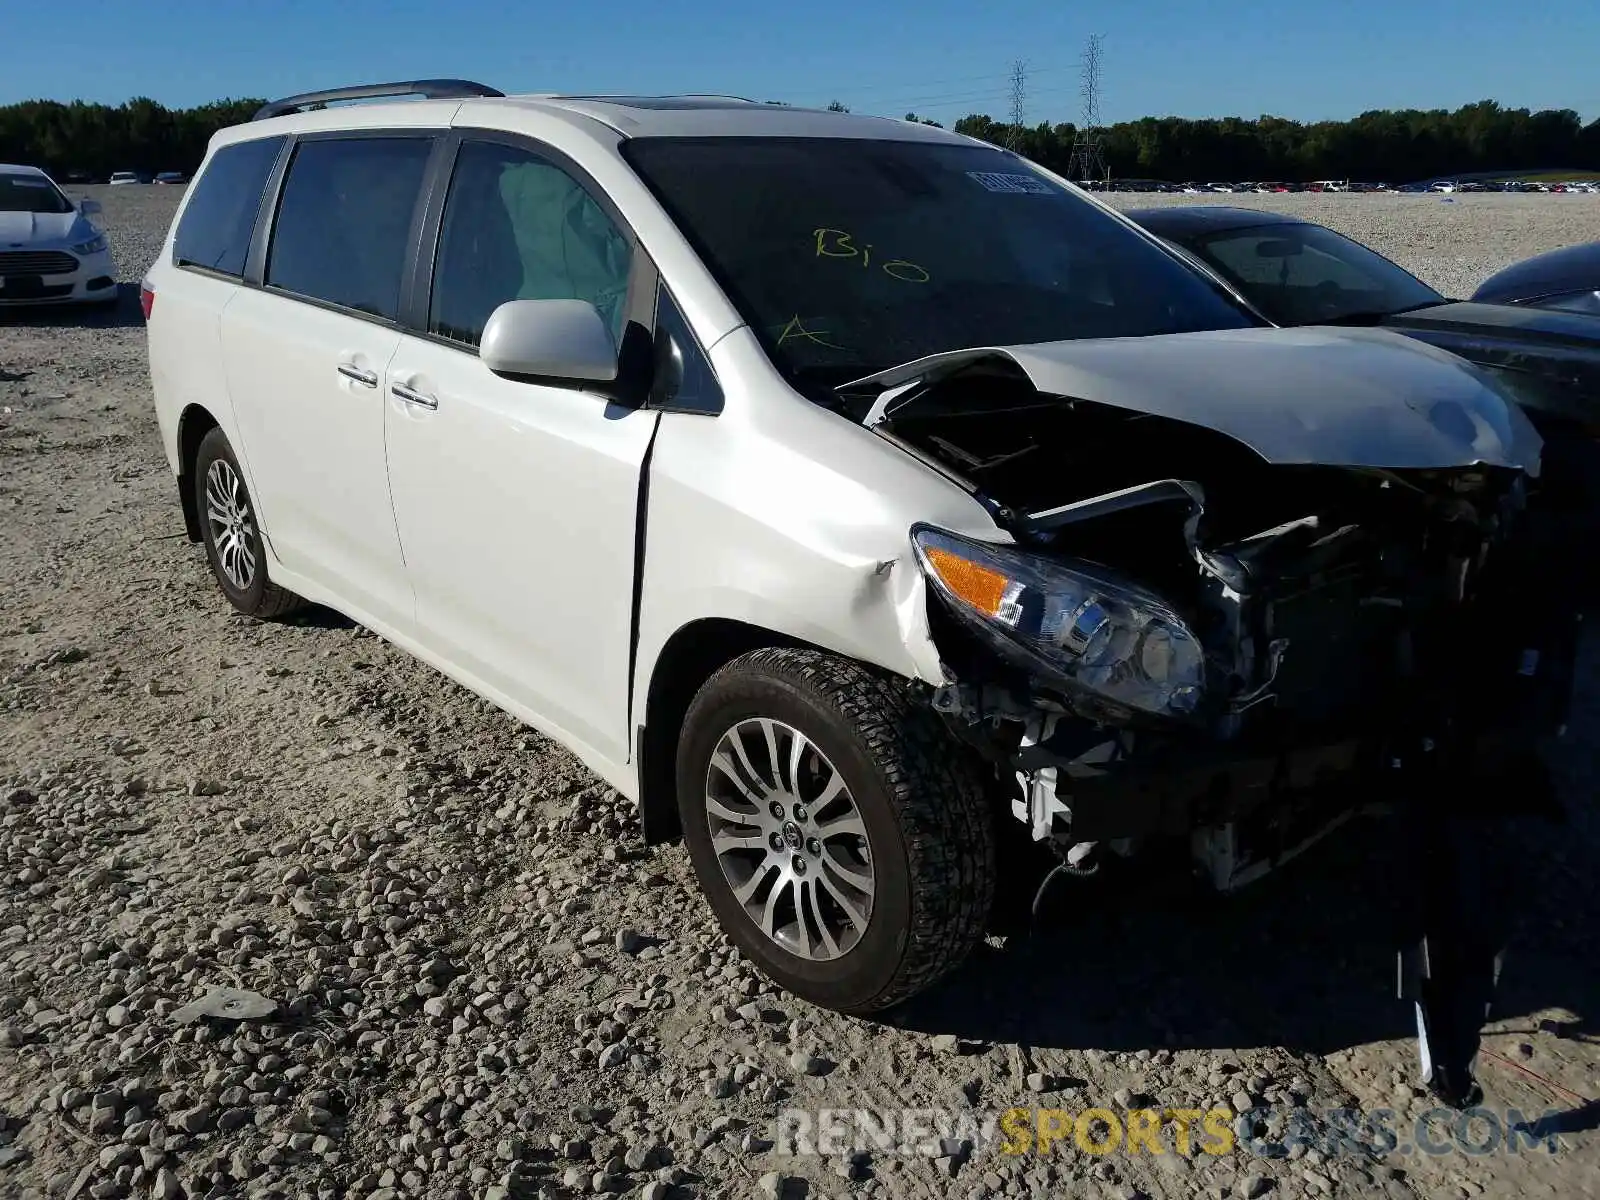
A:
(1019, 104)
(1088, 160)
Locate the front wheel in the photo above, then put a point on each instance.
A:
(843, 839)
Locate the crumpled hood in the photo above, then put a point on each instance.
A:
(34, 228)
(1312, 396)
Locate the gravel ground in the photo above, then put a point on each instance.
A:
(480, 987)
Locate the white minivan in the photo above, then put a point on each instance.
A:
(852, 494)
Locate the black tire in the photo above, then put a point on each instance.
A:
(921, 797)
(259, 597)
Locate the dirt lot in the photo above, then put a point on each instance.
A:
(484, 988)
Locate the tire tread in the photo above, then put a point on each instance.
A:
(939, 800)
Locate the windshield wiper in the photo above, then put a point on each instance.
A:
(1372, 316)
(1419, 307)
(1369, 316)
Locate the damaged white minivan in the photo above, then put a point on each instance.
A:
(842, 489)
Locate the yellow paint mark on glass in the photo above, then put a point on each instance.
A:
(796, 330)
(838, 243)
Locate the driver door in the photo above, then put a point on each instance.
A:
(516, 501)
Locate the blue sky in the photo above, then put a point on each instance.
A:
(941, 58)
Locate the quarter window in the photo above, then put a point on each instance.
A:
(219, 218)
(344, 221)
(517, 227)
(682, 379)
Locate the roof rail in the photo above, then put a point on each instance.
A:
(430, 89)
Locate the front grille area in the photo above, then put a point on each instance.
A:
(1340, 656)
(36, 262)
(35, 291)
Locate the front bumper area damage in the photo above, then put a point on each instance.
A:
(1239, 611)
(1331, 529)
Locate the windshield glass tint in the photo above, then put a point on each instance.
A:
(1305, 274)
(849, 256)
(31, 194)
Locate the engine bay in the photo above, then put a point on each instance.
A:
(1321, 594)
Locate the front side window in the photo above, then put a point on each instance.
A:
(1301, 274)
(31, 194)
(220, 216)
(517, 227)
(848, 256)
(344, 221)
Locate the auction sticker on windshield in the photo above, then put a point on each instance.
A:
(999, 181)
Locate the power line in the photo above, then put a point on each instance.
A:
(851, 88)
(976, 96)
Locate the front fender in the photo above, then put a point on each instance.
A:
(792, 519)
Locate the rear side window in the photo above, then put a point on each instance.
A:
(214, 231)
(344, 221)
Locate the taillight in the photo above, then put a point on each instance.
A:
(147, 299)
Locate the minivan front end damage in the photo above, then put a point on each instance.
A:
(1382, 634)
(1201, 631)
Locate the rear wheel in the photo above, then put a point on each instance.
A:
(843, 839)
(231, 532)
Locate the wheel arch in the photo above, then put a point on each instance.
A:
(193, 424)
(692, 654)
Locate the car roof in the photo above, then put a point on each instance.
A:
(1206, 218)
(629, 116)
(1573, 268)
(20, 169)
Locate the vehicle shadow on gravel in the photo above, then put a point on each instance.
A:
(121, 313)
(315, 616)
(1306, 958)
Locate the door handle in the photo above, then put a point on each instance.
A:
(411, 396)
(364, 378)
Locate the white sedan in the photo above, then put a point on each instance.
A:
(50, 252)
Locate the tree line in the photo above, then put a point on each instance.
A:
(1387, 146)
(1394, 146)
(97, 139)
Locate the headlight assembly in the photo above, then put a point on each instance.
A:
(1079, 623)
(93, 246)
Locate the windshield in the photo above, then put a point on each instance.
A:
(31, 194)
(850, 256)
(1304, 274)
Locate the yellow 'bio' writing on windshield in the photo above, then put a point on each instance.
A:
(836, 243)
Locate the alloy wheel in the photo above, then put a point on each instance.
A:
(232, 524)
(790, 839)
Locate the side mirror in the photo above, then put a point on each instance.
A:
(558, 339)
(88, 207)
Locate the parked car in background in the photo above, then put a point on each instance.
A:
(122, 177)
(170, 177)
(875, 493)
(1297, 272)
(1566, 280)
(50, 252)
